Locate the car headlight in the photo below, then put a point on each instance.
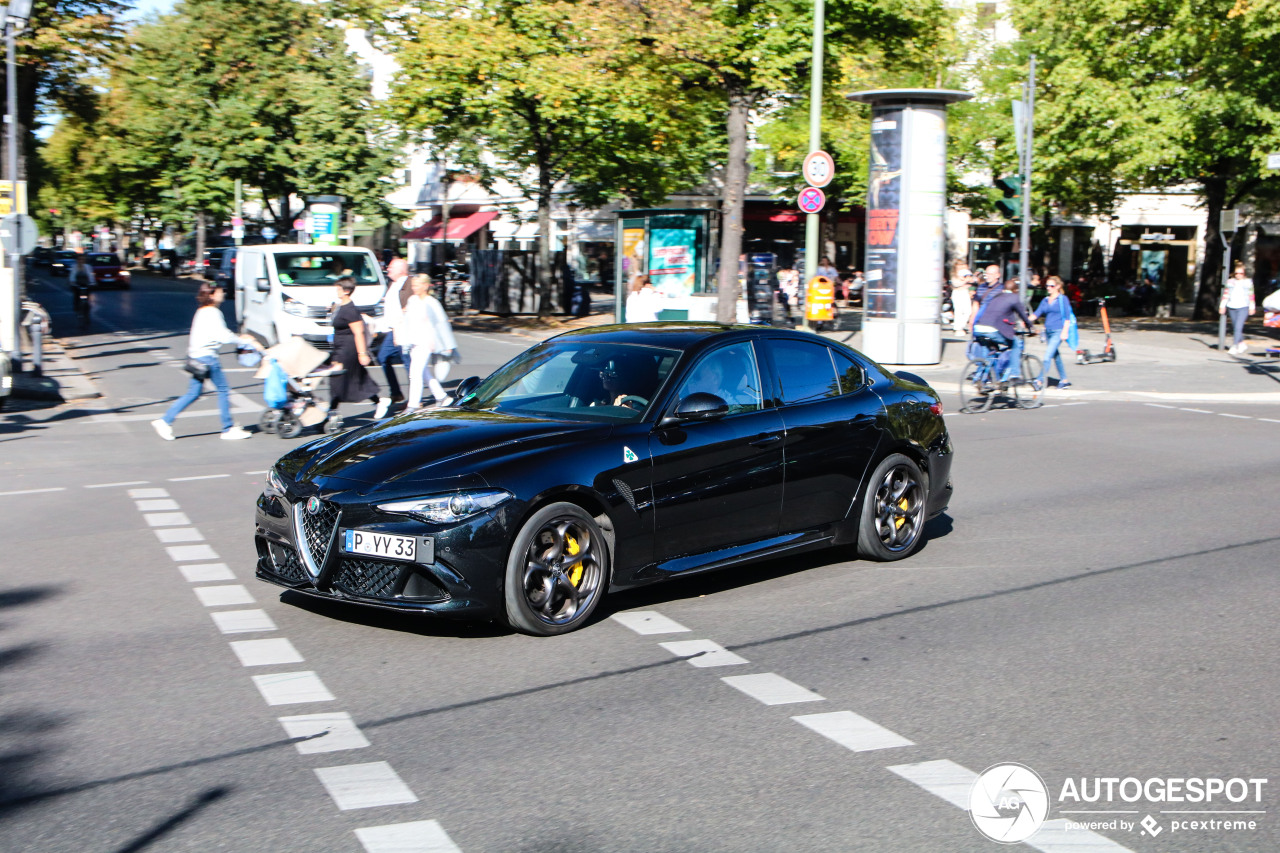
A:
(294, 307)
(446, 509)
(275, 485)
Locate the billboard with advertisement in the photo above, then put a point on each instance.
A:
(884, 196)
(673, 257)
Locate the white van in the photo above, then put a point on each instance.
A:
(284, 290)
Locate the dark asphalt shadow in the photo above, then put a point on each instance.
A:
(198, 804)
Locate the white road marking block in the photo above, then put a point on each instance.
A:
(292, 688)
(771, 689)
(117, 485)
(324, 732)
(1229, 415)
(266, 652)
(242, 621)
(199, 477)
(164, 504)
(178, 534)
(704, 653)
(1270, 420)
(648, 622)
(364, 786)
(33, 491)
(419, 836)
(853, 731)
(148, 493)
(951, 782)
(166, 519)
(184, 553)
(1160, 405)
(206, 572)
(223, 595)
(1197, 411)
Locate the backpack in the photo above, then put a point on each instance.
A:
(80, 276)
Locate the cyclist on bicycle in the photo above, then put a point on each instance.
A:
(82, 282)
(996, 325)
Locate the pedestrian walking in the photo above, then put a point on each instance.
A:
(425, 333)
(1059, 326)
(389, 350)
(827, 270)
(961, 296)
(1237, 298)
(351, 350)
(209, 333)
(642, 301)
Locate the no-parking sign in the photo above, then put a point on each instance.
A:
(811, 199)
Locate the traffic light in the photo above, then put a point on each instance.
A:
(1011, 205)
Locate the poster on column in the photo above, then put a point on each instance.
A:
(884, 206)
(920, 274)
(673, 256)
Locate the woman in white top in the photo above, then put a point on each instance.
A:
(642, 301)
(424, 332)
(961, 296)
(1237, 297)
(208, 334)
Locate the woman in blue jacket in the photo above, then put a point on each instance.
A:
(1059, 324)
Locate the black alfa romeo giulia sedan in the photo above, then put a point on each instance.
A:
(605, 459)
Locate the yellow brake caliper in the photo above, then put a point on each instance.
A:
(575, 574)
(901, 520)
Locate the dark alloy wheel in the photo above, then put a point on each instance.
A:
(557, 571)
(891, 525)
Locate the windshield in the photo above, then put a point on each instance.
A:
(324, 267)
(578, 380)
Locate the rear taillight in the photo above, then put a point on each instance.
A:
(936, 408)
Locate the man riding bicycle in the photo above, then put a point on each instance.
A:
(82, 281)
(996, 325)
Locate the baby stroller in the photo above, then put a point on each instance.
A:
(291, 377)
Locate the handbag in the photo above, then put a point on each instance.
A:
(197, 368)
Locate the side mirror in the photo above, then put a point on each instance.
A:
(465, 387)
(697, 407)
(263, 285)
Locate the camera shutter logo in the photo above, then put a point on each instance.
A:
(1008, 803)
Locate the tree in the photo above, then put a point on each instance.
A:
(746, 52)
(1139, 94)
(521, 89)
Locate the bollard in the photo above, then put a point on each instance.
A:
(37, 347)
(1222, 332)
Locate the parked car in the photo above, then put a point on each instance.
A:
(62, 262)
(605, 459)
(108, 271)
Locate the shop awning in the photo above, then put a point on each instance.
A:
(460, 227)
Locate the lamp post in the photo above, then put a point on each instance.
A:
(13, 18)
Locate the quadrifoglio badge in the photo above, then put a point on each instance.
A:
(1010, 802)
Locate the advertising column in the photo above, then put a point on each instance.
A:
(906, 206)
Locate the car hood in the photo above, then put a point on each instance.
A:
(422, 446)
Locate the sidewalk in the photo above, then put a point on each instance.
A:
(61, 379)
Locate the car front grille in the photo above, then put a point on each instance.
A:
(370, 578)
(285, 563)
(317, 533)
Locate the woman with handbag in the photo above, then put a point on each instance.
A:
(208, 333)
(1059, 326)
(351, 342)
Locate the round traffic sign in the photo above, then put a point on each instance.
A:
(811, 199)
(819, 168)
(18, 234)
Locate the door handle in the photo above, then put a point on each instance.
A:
(765, 441)
(862, 420)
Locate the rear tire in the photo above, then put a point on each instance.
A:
(973, 378)
(557, 571)
(269, 420)
(892, 516)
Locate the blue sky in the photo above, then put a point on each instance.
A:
(146, 7)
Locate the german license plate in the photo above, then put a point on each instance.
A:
(386, 545)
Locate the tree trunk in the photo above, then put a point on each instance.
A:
(285, 223)
(1215, 194)
(199, 239)
(544, 242)
(731, 205)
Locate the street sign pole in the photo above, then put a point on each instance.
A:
(1228, 222)
(1024, 242)
(812, 223)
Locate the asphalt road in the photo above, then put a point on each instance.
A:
(1098, 602)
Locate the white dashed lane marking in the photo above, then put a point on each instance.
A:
(365, 786)
(206, 572)
(1197, 411)
(852, 731)
(422, 836)
(34, 491)
(1229, 415)
(952, 782)
(277, 650)
(242, 621)
(191, 553)
(1159, 406)
(201, 477)
(166, 519)
(292, 688)
(704, 653)
(161, 505)
(223, 595)
(648, 622)
(117, 485)
(771, 689)
(178, 534)
(143, 494)
(324, 732)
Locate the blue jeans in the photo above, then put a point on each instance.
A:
(1238, 316)
(1052, 354)
(388, 351)
(219, 380)
(1011, 361)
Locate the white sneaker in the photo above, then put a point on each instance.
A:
(380, 410)
(163, 429)
(235, 434)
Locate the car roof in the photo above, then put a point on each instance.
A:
(314, 248)
(680, 335)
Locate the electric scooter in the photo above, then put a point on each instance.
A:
(1083, 356)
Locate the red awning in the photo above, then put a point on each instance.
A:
(460, 227)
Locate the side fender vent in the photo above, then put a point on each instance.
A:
(627, 494)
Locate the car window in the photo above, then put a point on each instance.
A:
(324, 267)
(805, 370)
(732, 374)
(849, 371)
(104, 260)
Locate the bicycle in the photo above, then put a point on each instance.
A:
(980, 385)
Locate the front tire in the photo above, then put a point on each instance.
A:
(557, 571)
(891, 521)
